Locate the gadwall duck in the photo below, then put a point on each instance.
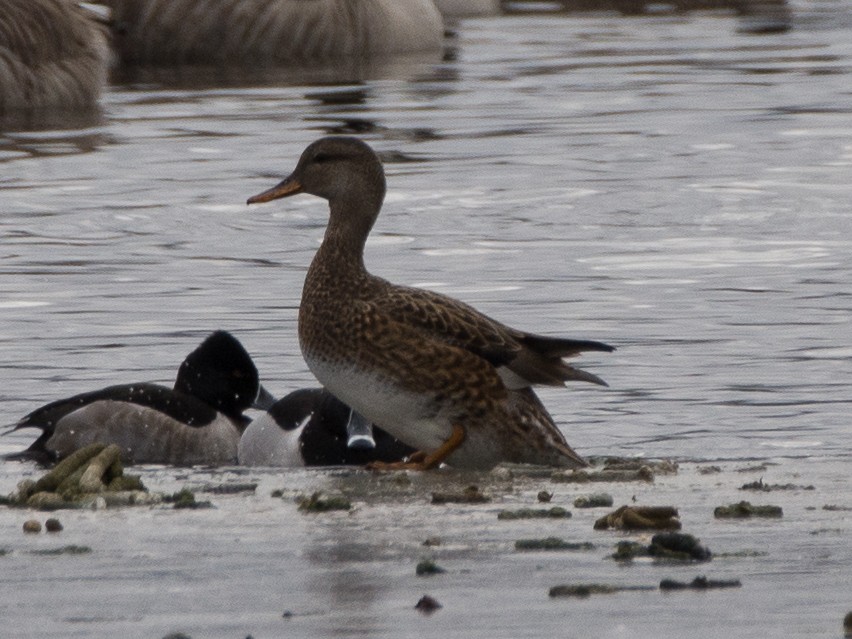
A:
(198, 421)
(53, 54)
(268, 32)
(311, 427)
(430, 370)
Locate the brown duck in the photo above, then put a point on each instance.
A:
(432, 371)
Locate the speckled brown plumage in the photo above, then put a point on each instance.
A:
(415, 362)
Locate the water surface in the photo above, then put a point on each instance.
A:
(670, 184)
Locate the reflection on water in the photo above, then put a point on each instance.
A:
(351, 70)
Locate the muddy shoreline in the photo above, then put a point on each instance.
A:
(255, 563)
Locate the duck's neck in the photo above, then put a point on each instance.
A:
(349, 224)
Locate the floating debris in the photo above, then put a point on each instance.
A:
(64, 550)
(509, 471)
(556, 512)
(754, 469)
(433, 541)
(627, 550)
(644, 473)
(826, 531)
(426, 567)
(53, 525)
(744, 509)
(836, 508)
(91, 477)
(709, 470)
(618, 470)
(552, 543)
(759, 485)
(317, 503)
(587, 590)
(741, 554)
(594, 500)
(640, 518)
(400, 480)
(427, 605)
(32, 526)
(679, 546)
(227, 489)
(185, 498)
(699, 583)
(673, 546)
(470, 495)
(661, 467)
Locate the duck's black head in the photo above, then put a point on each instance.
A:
(221, 373)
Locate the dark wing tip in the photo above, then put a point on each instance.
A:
(562, 347)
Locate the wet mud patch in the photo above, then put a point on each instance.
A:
(510, 553)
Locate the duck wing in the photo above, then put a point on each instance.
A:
(522, 359)
(182, 407)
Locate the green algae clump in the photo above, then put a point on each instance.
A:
(557, 512)
(317, 503)
(744, 509)
(552, 543)
(90, 476)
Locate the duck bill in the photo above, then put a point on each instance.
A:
(359, 432)
(264, 399)
(287, 187)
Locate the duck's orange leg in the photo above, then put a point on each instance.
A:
(422, 461)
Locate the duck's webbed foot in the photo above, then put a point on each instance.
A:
(422, 461)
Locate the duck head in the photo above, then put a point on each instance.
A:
(221, 373)
(343, 170)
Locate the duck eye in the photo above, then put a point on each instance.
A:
(322, 157)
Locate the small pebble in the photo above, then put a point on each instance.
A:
(428, 567)
(427, 605)
(32, 526)
(53, 525)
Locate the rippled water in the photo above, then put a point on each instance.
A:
(672, 185)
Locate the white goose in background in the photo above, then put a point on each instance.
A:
(269, 32)
(53, 54)
(467, 8)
